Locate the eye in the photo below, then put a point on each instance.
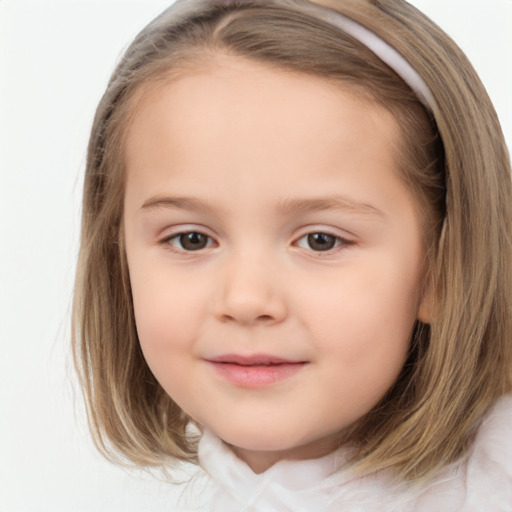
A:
(190, 241)
(321, 242)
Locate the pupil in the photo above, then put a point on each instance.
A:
(321, 241)
(193, 241)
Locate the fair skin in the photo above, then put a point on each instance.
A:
(275, 255)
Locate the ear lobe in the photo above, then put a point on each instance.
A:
(426, 305)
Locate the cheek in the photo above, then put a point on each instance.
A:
(364, 323)
(167, 314)
(380, 298)
(167, 326)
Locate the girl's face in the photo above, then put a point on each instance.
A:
(275, 255)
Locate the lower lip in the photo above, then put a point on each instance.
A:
(247, 376)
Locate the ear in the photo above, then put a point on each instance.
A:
(427, 303)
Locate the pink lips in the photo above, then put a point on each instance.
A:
(259, 370)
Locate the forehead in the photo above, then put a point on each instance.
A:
(245, 125)
(242, 98)
(216, 77)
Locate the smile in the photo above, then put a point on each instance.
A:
(255, 371)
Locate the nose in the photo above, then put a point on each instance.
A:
(251, 293)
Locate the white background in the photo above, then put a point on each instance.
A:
(55, 59)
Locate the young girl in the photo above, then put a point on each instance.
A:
(296, 258)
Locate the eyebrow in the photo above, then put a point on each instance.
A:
(181, 203)
(289, 207)
(295, 206)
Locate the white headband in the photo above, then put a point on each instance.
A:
(372, 41)
(383, 50)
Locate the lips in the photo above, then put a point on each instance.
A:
(256, 359)
(254, 371)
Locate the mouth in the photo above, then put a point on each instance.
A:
(252, 360)
(255, 371)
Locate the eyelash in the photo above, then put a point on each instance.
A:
(339, 242)
(180, 236)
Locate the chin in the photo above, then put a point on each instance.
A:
(262, 438)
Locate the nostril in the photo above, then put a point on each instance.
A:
(248, 321)
(264, 318)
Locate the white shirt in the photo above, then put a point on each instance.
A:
(482, 483)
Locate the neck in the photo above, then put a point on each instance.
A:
(261, 460)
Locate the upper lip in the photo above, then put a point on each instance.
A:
(252, 359)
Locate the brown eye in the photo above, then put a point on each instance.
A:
(190, 241)
(321, 241)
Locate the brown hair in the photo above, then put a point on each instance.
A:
(456, 166)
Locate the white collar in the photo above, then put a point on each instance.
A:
(484, 477)
(288, 485)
